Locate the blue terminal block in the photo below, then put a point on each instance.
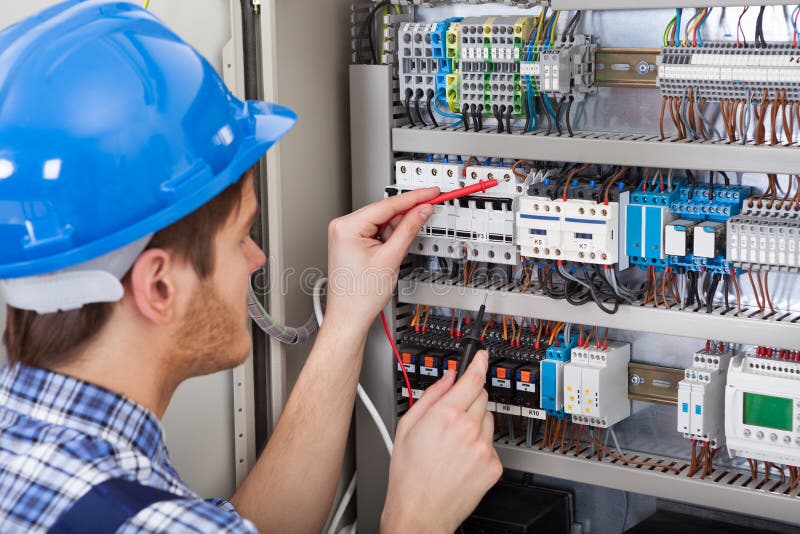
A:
(647, 217)
(552, 377)
(718, 265)
(439, 52)
(727, 202)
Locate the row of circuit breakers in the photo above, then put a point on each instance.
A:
(543, 216)
(749, 402)
(491, 66)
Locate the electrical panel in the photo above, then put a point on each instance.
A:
(646, 185)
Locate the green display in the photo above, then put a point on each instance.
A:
(766, 411)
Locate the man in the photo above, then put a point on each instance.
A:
(125, 209)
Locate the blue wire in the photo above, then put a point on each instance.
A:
(549, 107)
(678, 27)
(448, 115)
(794, 25)
(530, 83)
(548, 32)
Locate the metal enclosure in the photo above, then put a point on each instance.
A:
(630, 118)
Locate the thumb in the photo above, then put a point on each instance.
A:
(429, 398)
(396, 247)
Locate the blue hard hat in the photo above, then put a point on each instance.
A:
(111, 128)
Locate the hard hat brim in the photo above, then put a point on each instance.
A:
(266, 124)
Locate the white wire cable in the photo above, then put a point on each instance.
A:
(368, 404)
(346, 498)
(362, 394)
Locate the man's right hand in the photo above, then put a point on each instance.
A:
(444, 459)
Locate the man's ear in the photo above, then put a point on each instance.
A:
(153, 285)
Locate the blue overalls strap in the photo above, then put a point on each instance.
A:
(107, 506)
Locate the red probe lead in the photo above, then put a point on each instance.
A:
(480, 187)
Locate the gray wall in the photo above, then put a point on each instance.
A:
(199, 422)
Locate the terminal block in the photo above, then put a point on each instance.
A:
(760, 242)
(527, 378)
(648, 215)
(762, 409)
(491, 51)
(720, 204)
(572, 230)
(718, 71)
(566, 69)
(701, 398)
(417, 65)
(596, 385)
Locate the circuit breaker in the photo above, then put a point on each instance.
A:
(701, 398)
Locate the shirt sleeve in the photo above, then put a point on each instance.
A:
(188, 515)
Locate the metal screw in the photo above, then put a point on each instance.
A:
(450, 173)
(403, 169)
(644, 68)
(419, 171)
(637, 380)
(434, 172)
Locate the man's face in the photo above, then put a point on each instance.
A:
(213, 334)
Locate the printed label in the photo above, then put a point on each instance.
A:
(507, 408)
(428, 371)
(532, 413)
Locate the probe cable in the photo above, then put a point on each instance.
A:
(444, 197)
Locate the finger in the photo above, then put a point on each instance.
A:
(470, 385)
(396, 246)
(390, 228)
(487, 426)
(369, 218)
(428, 399)
(478, 407)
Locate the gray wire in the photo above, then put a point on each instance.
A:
(616, 443)
(704, 122)
(568, 276)
(510, 421)
(685, 116)
(284, 334)
(746, 118)
(682, 289)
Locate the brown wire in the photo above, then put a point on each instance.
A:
(766, 292)
(572, 175)
(762, 116)
(664, 289)
(661, 118)
(741, 118)
(761, 289)
(738, 294)
(674, 119)
(774, 121)
(788, 121)
(613, 181)
(628, 461)
(515, 167)
(755, 290)
(788, 193)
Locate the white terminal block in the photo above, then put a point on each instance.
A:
(510, 185)
(679, 237)
(762, 410)
(596, 385)
(573, 230)
(411, 174)
(701, 398)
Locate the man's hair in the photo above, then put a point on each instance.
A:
(46, 340)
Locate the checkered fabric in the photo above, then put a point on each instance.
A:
(60, 436)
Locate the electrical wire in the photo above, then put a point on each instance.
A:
(342, 508)
(284, 334)
(362, 394)
(147, 4)
(367, 28)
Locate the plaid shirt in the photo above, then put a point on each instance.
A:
(60, 436)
